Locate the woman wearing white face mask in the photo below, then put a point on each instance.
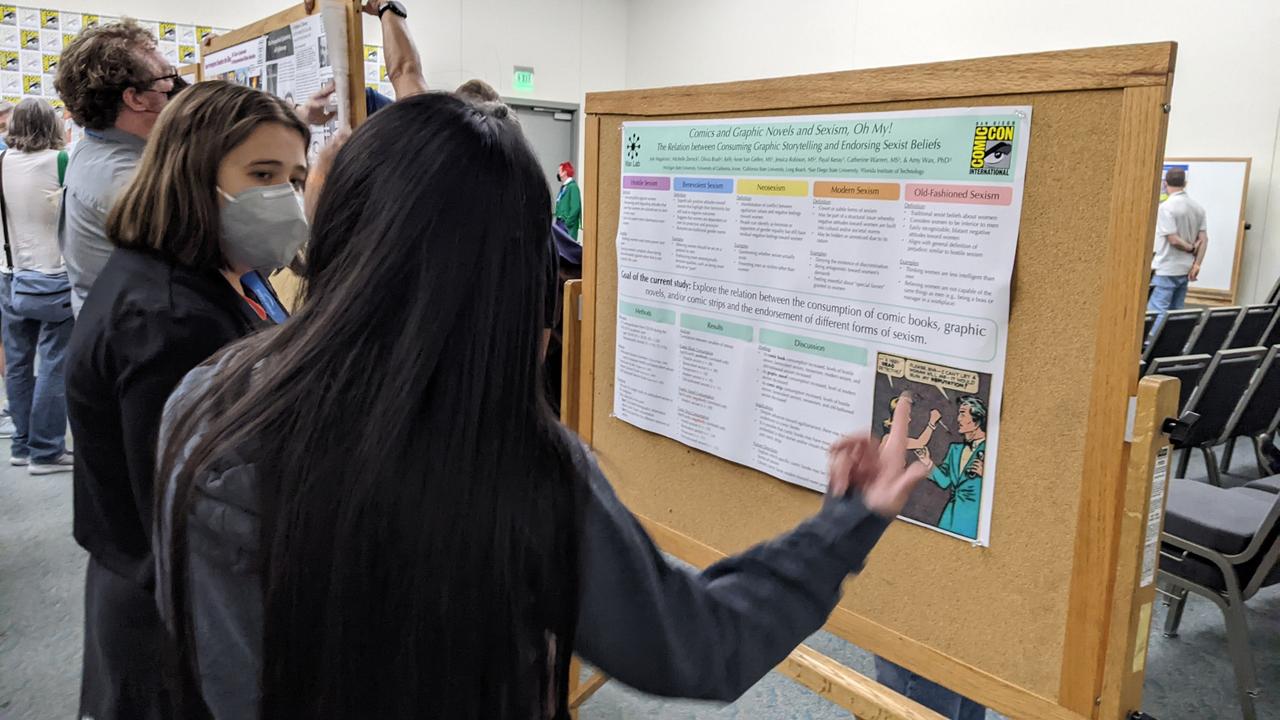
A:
(215, 205)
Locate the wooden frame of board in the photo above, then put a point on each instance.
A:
(1221, 297)
(192, 73)
(267, 25)
(1050, 621)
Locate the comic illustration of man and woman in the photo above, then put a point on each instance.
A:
(961, 470)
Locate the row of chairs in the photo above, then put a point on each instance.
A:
(1196, 331)
(1222, 543)
(1235, 392)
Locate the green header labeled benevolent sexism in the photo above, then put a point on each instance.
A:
(974, 148)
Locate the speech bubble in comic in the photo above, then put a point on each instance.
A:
(892, 366)
(942, 377)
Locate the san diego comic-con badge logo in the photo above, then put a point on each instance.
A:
(992, 148)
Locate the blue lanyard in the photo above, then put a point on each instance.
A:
(267, 299)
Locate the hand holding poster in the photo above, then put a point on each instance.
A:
(782, 280)
(291, 62)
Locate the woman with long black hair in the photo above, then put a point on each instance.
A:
(369, 511)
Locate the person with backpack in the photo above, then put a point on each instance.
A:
(35, 294)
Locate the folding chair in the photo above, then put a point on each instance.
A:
(1274, 297)
(1256, 415)
(1172, 332)
(1215, 399)
(1222, 544)
(1272, 335)
(1214, 330)
(1187, 368)
(1147, 325)
(1249, 329)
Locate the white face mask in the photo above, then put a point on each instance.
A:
(263, 227)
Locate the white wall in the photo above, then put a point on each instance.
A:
(574, 46)
(1226, 99)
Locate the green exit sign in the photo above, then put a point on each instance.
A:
(522, 80)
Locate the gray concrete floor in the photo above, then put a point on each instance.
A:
(41, 585)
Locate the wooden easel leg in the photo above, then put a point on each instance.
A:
(575, 680)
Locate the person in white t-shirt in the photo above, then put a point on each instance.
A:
(1181, 241)
(32, 169)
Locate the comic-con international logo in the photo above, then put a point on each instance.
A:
(992, 148)
(632, 148)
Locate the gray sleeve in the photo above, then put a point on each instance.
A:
(226, 601)
(224, 580)
(669, 631)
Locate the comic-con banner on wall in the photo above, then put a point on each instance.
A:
(32, 40)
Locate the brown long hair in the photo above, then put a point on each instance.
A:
(34, 126)
(171, 207)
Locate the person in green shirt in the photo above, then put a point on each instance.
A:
(569, 201)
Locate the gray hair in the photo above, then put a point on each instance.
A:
(34, 126)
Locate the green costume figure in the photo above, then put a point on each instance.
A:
(960, 472)
(569, 201)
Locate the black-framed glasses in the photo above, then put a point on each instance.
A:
(179, 83)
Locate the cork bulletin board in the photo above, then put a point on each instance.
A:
(1024, 625)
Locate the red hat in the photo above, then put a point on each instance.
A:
(566, 169)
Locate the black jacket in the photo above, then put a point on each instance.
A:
(144, 325)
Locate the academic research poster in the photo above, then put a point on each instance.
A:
(782, 280)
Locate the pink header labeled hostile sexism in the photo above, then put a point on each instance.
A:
(642, 182)
(965, 194)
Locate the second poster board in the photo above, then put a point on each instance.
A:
(1220, 185)
(287, 55)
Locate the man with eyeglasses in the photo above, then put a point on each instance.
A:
(115, 82)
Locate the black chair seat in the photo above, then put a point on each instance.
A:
(1221, 519)
(1270, 484)
(1217, 518)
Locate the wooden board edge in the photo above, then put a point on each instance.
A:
(571, 354)
(1133, 603)
(256, 29)
(195, 70)
(1246, 160)
(1134, 192)
(849, 689)
(590, 241)
(1240, 223)
(355, 63)
(1111, 67)
(1212, 297)
(999, 695)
